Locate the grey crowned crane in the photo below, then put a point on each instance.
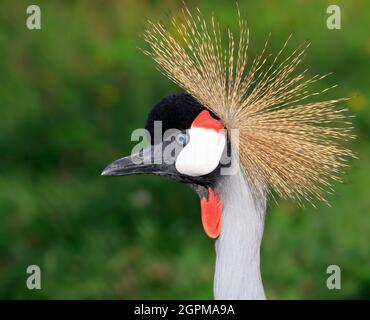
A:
(282, 144)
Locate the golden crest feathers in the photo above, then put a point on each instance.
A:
(285, 143)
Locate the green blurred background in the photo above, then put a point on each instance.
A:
(70, 96)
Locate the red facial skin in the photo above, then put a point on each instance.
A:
(211, 208)
(204, 120)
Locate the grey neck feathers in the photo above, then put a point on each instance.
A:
(237, 272)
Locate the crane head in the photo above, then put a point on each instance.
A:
(286, 145)
(189, 149)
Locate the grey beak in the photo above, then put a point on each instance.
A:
(148, 160)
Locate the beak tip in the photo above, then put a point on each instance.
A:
(105, 172)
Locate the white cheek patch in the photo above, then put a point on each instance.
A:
(203, 152)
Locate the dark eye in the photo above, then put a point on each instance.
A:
(182, 138)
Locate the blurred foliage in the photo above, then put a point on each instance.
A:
(70, 96)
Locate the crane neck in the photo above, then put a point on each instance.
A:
(237, 271)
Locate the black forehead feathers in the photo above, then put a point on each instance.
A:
(176, 111)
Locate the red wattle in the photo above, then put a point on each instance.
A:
(211, 214)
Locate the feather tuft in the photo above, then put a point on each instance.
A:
(286, 144)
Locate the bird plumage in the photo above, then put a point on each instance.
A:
(286, 145)
(283, 144)
(237, 269)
